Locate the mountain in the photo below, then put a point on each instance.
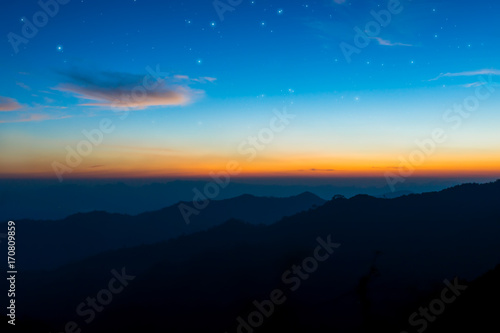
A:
(374, 260)
(48, 244)
(476, 310)
(395, 194)
(30, 199)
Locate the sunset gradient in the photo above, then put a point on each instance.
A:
(184, 97)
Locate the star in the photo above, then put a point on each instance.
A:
(280, 11)
(60, 48)
(199, 61)
(212, 24)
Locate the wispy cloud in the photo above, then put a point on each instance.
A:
(385, 42)
(474, 84)
(33, 117)
(384, 168)
(143, 150)
(203, 79)
(468, 73)
(124, 90)
(9, 104)
(22, 85)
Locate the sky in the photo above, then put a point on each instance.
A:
(327, 88)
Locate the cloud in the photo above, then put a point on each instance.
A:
(385, 42)
(143, 150)
(339, 1)
(29, 113)
(384, 168)
(203, 79)
(33, 117)
(22, 85)
(320, 170)
(474, 84)
(124, 90)
(9, 104)
(468, 73)
(206, 78)
(181, 77)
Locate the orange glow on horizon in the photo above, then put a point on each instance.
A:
(201, 167)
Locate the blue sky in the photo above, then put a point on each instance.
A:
(221, 79)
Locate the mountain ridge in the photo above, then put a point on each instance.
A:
(214, 275)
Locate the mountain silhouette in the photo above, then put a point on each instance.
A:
(389, 254)
(30, 199)
(47, 244)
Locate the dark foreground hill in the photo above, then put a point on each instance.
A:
(351, 265)
(475, 311)
(48, 244)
